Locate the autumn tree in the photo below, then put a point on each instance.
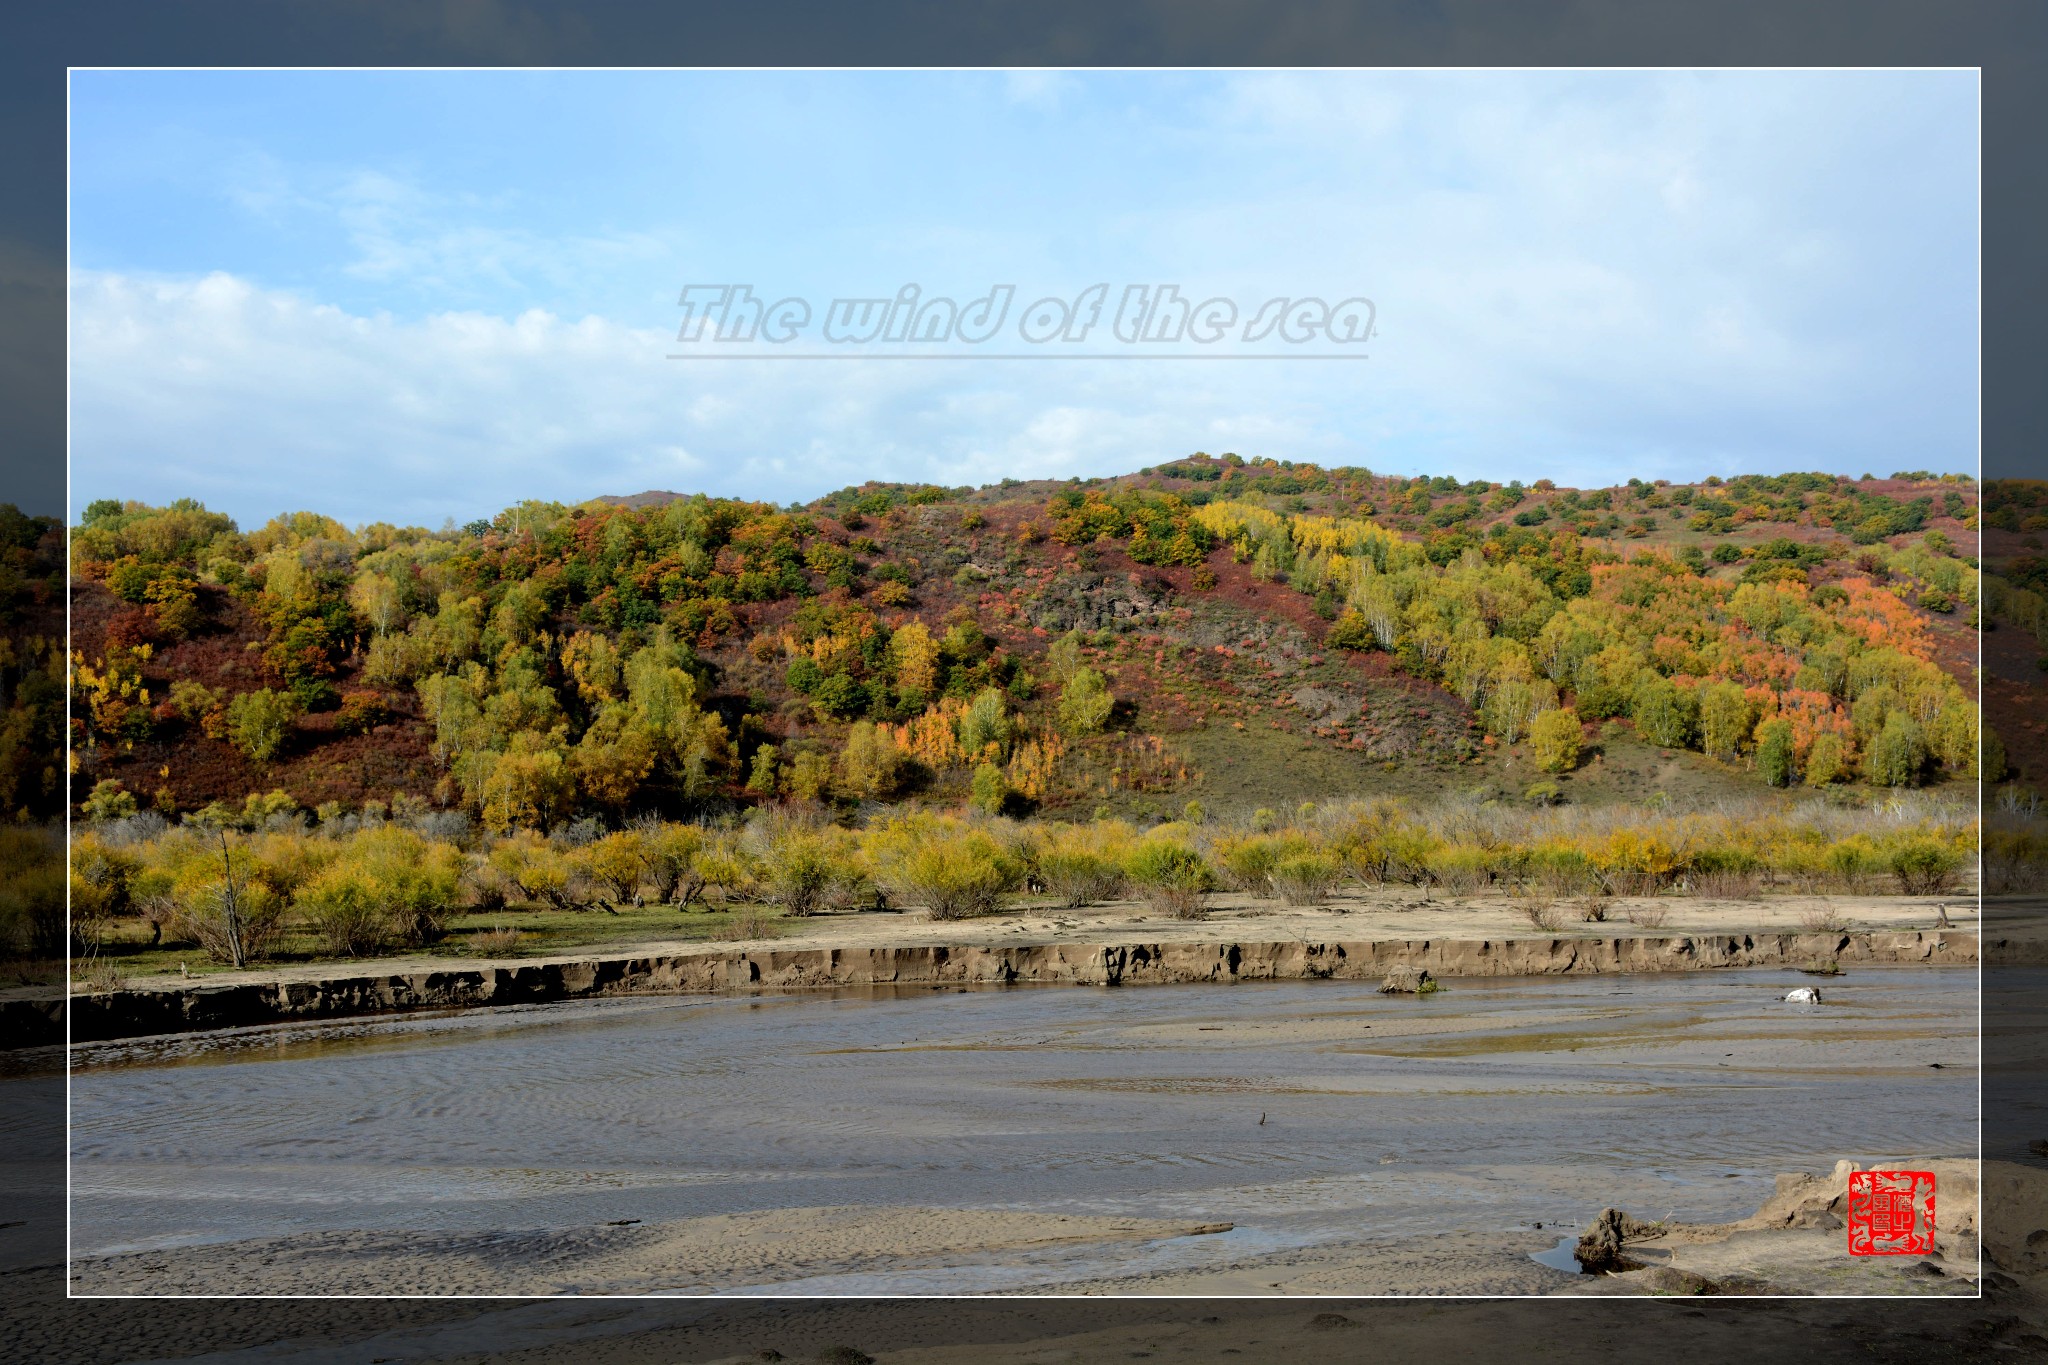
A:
(916, 658)
(870, 764)
(1555, 738)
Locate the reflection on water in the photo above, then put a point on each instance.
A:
(1272, 1105)
(1564, 1256)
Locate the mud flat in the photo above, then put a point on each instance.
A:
(1285, 1136)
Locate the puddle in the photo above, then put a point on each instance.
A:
(1563, 1256)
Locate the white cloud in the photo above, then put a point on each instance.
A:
(259, 401)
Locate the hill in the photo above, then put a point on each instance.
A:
(1240, 633)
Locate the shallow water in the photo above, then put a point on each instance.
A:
(1675, 1095)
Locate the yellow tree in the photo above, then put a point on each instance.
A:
(1555, 739)
(916, 656)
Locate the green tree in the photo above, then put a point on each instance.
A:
(260, 722)
(109, 801)
(1726, 717)
(1828, 760)
(989, 791)
(986, 723)
(1663, 714)
(761, 778)
(1085, 703)
(1351, 631)
(1063, 660)
(1774, 754)
(1897, 754)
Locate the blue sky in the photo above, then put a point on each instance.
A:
(410, 296)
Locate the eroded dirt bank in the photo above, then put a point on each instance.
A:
(162, 1009)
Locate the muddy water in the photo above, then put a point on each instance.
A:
(1305, 1112)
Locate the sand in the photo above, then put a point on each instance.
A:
(715, 1254)
(791, 1250)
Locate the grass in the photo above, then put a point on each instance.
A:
(541, 931)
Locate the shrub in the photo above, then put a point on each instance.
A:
(360, 713)
(747, 923)
(671, 853)
(1351, 631)
(109, 801)
(385, 887)
(100, 875)
(223, 903)
(1306, 878)
(200, 705)
(1826, 920)
(955, 872)
(33, 879)
(616, 862)
(1923, 865)
(726, 867)
(259, 722)
(1555, 739)
(536, 869)
(1172, 875)
(1245, 863)
(806, 871)
(343, 908)
(498, 941)
(1083, 864)
(1649, 916)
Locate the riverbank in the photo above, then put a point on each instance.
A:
(1113, 945)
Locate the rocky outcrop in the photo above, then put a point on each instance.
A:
(1406, 980)
(193, 1007)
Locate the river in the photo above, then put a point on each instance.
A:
(1305, 1113)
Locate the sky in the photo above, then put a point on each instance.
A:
(411, 296)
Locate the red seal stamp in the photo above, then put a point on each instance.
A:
(1891, 1213)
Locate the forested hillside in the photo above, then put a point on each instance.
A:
(1236, 632)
